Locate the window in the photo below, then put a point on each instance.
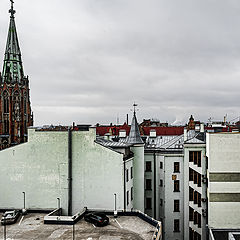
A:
(131, 193)
(148, 166)
(5, 102)
(131, 172)
(148, 184)
(199, 180)
(148, 203)
(6, 126)
(191, 232)
(127, 178)
(176, 225)
(195, 157)
(161, 202)
(176, 167)
(190, 174)
(191, 192)
(127, 197)
(176, 206)
(161, 182)
(161, 165)
(191, 213)
(199, 220)
(176, 186)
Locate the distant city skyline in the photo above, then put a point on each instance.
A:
(89, 61)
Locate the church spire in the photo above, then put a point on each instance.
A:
(134, 135)
(12, 67)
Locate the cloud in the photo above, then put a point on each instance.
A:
(89, 60)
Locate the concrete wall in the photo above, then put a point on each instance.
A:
(223, 151)
(40, 168)
(202, 190)
(170, 196)
(138, 181)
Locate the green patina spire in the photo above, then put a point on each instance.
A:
(12, 67)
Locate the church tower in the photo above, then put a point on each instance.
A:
(15, 108)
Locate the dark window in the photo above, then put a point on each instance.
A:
(127, 197)
(199, 180)
(176, 167)
(176, 225)
(6, 126)
(6, 104)
(191, 213)
(176, 206)
(127, 177)
(190, 174)
(148, 166)
(191, 194)
(191, 232)
(161, 182)
(195, 157)
(176, 186)
(131, 193)
(148, 184)
(195, 218)
(25, 105)
(148, 203)
(161, 165)
(199, 220)
(199, 200)
(161, 202)
(195, 195)
(131, 172)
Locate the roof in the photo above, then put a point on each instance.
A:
(134, 135)
(173, 143)
(12, 67)
(124, 227)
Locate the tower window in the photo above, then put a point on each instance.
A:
(148, 166)
(148, 184)
(176, 206)
(176, 225)
(148, 203)
(176, 167)
(176, 186)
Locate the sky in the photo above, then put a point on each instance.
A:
(88, 61)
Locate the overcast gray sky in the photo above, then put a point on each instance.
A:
(89, 60)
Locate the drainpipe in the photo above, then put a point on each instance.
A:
(154, 185)
(69, 172)
(124, 185)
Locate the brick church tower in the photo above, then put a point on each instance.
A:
(15, 108)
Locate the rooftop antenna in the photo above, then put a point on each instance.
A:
(12, 11)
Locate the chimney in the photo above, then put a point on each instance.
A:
(127, 119)
(185, 134)
(202, 128)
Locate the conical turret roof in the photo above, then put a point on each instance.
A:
(134, 135)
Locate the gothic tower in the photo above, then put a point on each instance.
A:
(15, 108)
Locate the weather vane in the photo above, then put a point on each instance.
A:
(134, 108)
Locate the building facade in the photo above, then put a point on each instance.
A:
(15, 107)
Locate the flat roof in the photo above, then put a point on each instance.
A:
(31, 226)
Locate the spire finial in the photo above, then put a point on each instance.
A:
(134, 108)
(12, 11)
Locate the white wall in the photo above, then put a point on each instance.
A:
(223, 151)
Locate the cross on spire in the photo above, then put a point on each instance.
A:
(12, 11)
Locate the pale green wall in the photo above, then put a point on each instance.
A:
(40, 168)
